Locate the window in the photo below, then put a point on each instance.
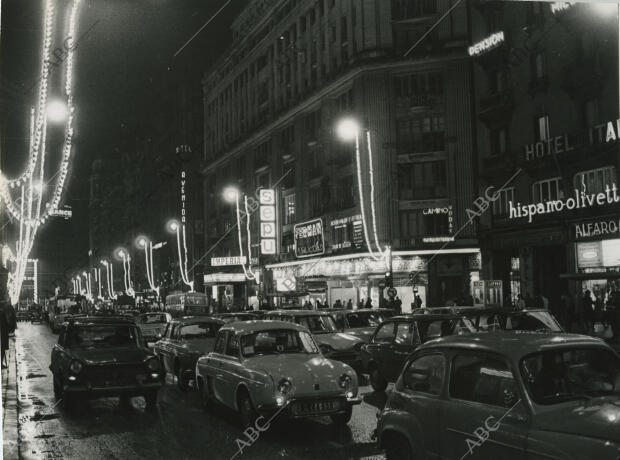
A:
(483, 379)
(501, 206)
(289, 209)
(199, 331)
(219, 342)
(499, 141)
(233, 345)
(414, 223)
(417, 135)
(538, 67)
(385, 334)
(423, 180)
(547, 190)
(595, 180)
(432, 368)
(404, 334)
(542, 128)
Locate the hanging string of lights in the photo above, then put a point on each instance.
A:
(248, 272)
(372, 193)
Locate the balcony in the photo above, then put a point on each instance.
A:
(496, 108)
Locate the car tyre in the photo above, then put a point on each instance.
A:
(377, 381)
(183, 379)
(397, 448)
(343, 418)
(205, 396)
(246, 409)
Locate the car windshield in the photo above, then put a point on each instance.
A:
(367, 318)
(276, 342)
(317, 323)
(556, 376)
(152, 319)
(199, 331)
(102, 336)
(532, 321)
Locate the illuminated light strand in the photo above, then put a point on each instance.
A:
(247, 224)
(150, 272)
(372, 193)
(187, 281)
(181, 263)
(251, 275)
(361, 195)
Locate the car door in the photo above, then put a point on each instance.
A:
(378, 349)
(483, 416)
(211, 365)
(401, 347)
(419, 393)
(227, 372)
(167, 347)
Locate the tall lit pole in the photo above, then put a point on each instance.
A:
(174, 227)
(147, 246)
(231, 194)
(109, 269)
(126, 272)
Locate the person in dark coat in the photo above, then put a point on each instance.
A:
(588, 312)
(4, 334)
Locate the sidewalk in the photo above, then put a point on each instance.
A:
(10, 410)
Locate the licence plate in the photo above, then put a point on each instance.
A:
(319, 406)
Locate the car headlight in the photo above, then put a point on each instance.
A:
(325, 349)
(345, 381)
(153, 364)
(75, 367)
(284, 386)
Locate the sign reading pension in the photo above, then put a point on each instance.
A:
(309, 238)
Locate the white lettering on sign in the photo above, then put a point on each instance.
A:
(223, 261)
(560, 6)
(600, 228)
(492, 41)
(182, 197)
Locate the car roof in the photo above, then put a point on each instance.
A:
(234, 313)
(300, 312)
(359, 310)
(100, 320)
(260, 325)
(514, 344)
(424, 317)
(197, 320)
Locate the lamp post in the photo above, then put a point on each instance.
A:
(231, 194)
(147, 245)
(175, 227)
(109, 277)
(124, 255)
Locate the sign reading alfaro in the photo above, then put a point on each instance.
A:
(309, 238)
(607, 228)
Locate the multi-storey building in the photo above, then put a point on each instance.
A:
(272, 106)
(547, 110)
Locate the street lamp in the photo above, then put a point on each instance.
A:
(349, 129)
(109, 268)
(124, 255)
(57, 111)
(231, 194)
(147, 245)
(173, 226)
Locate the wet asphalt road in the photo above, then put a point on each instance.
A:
(177, 429)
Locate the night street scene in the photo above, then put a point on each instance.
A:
(310, 229)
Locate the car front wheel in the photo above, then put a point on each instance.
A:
(344, 418)
(246, 410)
(377, 381)
(397, 447)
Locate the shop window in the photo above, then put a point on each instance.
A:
(501, 205)
(547, 190)
(542, 128)
(416, 223)
(595, 180)
(418, 135)
(499, 141)
(289, 209)
(423, 180)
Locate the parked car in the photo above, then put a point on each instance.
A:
(35, 313)
(484, 319)
(333, 343)
(152, 325)
(97, 357)
(232, 317)
(508, 395)
(394, 340)
(183, 342)
(264, 367)
(361, 323)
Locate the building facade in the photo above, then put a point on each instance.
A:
(547, 108)
(272, 108)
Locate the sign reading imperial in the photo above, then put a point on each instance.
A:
(309, 238)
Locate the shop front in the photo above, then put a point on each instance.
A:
(229, 291)
(358, 277)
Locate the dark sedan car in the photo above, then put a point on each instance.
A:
(184, 341)
(361, 323)
(97, 357)
(394, 340)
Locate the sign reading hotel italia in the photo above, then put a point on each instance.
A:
(599, 228)
(598, 134)
(309, 238)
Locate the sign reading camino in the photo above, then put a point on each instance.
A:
(309, 238)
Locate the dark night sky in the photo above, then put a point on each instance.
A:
(118, 63)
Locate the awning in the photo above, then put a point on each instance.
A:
(591, 276)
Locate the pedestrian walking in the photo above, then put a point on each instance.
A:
(418, 301)
(368, 303)
(398, 306)
(350, 305)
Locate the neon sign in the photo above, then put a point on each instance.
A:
(487, 44)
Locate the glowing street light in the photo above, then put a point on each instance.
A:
(109, 268)
(124, 255)
(147, 245)
(57, 111)
(349, 129)
(173, 226)
(231, 194)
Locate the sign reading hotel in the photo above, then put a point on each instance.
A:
(598, 134)
(492, 41)
(309, 238)
(581, 200)
(267, 200)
